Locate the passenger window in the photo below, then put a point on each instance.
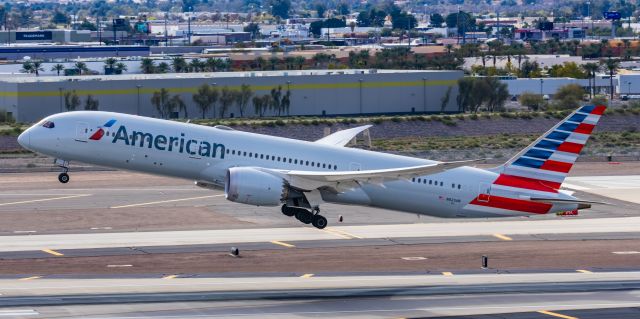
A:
(441, 183)
(233, 152)
(244, 154)
(324, 165)
(429, 182)
(295, 162)
(228, 150)
(261, 156)
(289, 161)
(419, 180)
(459, 186)
(307, 163)
(278, 158)
(250, 154)
(413, 179)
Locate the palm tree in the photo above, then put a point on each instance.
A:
(109, 63)
(163, 67)
(179, 64)
(147, 65)
(289, 62)
(57, 68)
(260, 63)
(121, 67)
(274, 62)
(611, 65)
(81, 67)
(37, 67)
(591, 68)
(27, 67)
(258, 106)
(196, 65)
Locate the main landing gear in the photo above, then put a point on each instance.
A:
(308, 217)
(64, 176)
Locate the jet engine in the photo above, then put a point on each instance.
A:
(250, 186)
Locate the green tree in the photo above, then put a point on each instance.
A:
(163, 67)
(196, 65)
(299, 61)
(148, 66)
(611, 65)
(27, 67)
(591, 69)
(179, 64)
(567, 69)
(285, 103)
(71, 100)
(227, 98)
(205, 98)
(59, 18)
(531, 100)
(120, 67)
(160, 99)
(243, 97)
(276, 95)
(445, 99)
(253, 29)
(258, 105)
(321, 9)
(568, 96)
(81, 68)
(280, 8)
(57, 68)
(436, 20)
(91, 104)
(110, 63)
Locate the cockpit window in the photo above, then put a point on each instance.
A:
(48, 124)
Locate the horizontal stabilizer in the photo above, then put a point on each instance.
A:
(567, 201)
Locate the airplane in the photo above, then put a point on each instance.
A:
(300, 175)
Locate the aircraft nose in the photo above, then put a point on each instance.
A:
(24, 139)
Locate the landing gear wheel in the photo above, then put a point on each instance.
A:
(63, 178)
(304, 216)
(288, 211)
(319, 222)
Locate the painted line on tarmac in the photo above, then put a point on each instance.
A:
(18, 313)
(555, 314)
(52, 252)
(630, 252)
(44, 199)
(447, 273)
(30, 278)
(584, 271)
(281, 243)
(503, 237)
(306, 276)
(341, 233)
(170, 277)
(165, 201)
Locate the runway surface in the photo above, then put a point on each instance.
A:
(123, 245)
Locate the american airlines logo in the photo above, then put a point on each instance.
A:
(180, 144)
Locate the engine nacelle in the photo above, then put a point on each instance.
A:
(250, 186)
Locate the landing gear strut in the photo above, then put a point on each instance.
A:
(63, 177)
(307, 217)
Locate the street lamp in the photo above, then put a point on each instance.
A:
(541, 82)
(138, 105)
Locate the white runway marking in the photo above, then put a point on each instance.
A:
(18, 313)
(632, 252)
(166, 201)
(44, 199)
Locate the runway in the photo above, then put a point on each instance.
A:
(124, 245)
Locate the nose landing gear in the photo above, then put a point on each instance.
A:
(307, 217)
(64, 176)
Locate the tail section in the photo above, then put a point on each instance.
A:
(545, 163)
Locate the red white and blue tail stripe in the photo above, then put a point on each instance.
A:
(540, 169)
(544, 164)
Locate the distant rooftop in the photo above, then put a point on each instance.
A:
(201, 75)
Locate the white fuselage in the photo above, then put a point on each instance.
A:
(204, 154)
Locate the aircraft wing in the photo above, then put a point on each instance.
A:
(341, 138)
(308, 180)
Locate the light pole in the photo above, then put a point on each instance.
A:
(424, 94)
(628, 88)
(360, 81)
(189, 25)
(541, 82)
(138, 105)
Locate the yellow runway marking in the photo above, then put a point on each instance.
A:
(503, 237)
(306, 276)
(275, 242)
(447, 273)
(170, 277)
(555, 314)
(43, 200)
(584, 271)
(30, 278)
(341, 233)
(166, 201)
(52, 252)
